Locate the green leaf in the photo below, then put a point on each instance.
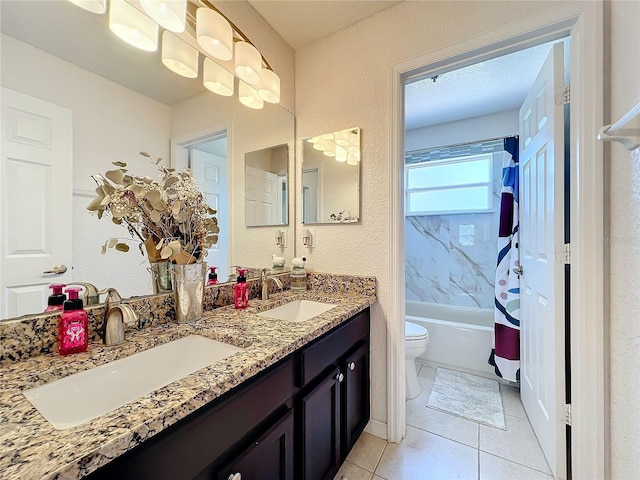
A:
(122, 247)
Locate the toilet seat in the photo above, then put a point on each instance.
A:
(413, 332)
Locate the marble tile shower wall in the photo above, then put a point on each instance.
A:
(451, 259)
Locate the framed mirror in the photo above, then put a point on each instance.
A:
(331, 177)
(266, 186)
(122, 101)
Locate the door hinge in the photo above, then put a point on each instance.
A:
(563, 253)
(565, 414)
(563, 94)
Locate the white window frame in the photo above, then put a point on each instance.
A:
(452, 186)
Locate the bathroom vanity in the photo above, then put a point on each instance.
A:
(292, 402)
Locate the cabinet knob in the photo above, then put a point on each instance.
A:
(340, 377)
(352, 366)
(235, 476)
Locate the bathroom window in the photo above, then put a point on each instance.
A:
(454, 185)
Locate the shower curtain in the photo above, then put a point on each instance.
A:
(505, 355)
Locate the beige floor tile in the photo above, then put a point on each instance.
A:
(425, 378)
(496, 468)
(455, 428)
(425, 456)
(376, 477)
(511, 401)
(349, 471)
(367, 451)
(518, 443)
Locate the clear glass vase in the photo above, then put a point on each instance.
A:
(188, 290)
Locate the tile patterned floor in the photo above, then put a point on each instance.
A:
(439, 446)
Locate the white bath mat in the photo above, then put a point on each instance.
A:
(468, 396)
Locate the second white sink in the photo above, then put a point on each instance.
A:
(298, 310)
(78, 398)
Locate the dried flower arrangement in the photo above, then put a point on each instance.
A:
(169, 217)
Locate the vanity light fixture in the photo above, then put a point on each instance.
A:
(269, 88)
(133, 26)
(214, 34)
(178, 56)
(169, 14)
(342, 138)
(351, 160)
(217, 79)
(319, 145)
(248, 63)
(93, 6)
(249, 97)
(341, 154)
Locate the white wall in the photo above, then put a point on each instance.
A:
(359, 95)
(496, 125)
(624, 245)
(110, 123)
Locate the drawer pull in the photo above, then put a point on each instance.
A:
(235, 476)
(352, 366)
(340, 377)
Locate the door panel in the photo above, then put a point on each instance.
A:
(35, 185)
(542, 283)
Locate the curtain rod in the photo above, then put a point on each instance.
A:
(462, 144)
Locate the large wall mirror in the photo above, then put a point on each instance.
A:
(122, 101)
(265, 192)
(331, 177)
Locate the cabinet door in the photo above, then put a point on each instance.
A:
(320, 429)
(270, 456)
(356, 396)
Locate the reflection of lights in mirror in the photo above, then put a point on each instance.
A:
(196, 30)
(331, 177)
(266, 196)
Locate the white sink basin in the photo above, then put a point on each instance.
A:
(79, 398)
(298, 310)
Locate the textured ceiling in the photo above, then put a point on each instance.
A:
(301, 22)
(493, 86)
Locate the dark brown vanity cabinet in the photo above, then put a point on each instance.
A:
(296, 420)
(333, 406)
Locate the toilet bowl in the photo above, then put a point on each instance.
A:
(416, 338)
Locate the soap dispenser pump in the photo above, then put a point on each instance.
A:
(74, 322)
(57, 298)
(240, 290)
(213, 276)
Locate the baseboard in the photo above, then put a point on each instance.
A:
(377, 429)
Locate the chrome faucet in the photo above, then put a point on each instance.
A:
(265, 278)
(116, 316)
(90, 296)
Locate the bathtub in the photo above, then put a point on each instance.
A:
(460, 338)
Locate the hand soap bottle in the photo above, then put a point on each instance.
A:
(73, 332)
(57, 298)
(298, 275)
(240, 290)
(213, 276)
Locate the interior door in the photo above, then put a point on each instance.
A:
(261, 197)
(36, 181)
(542, 283)
(211, 173)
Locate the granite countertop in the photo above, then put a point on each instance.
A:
(31, 448)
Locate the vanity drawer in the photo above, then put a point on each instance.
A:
(327, 350)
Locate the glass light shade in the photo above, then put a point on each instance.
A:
(351, 160)
(269, 88)
(248, 63)
(169, 14)
(327, 136)
(94, 6)
(312, 139)
(354, 142)
(217, 78)
(329, 153)
(341, 154)
(214, 33)
(342, 138)
(178, 56)
(319, 145)
(249, 97)
(134, 27)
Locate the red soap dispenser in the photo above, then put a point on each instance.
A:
(73, 332)
(213, 276)
(240, 290)
(57, 298)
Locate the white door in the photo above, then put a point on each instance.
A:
(211, 173)
(542, 348)
(261, 197)
(310, 205)
(36, 181)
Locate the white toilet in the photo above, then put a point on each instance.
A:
(416, 338)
